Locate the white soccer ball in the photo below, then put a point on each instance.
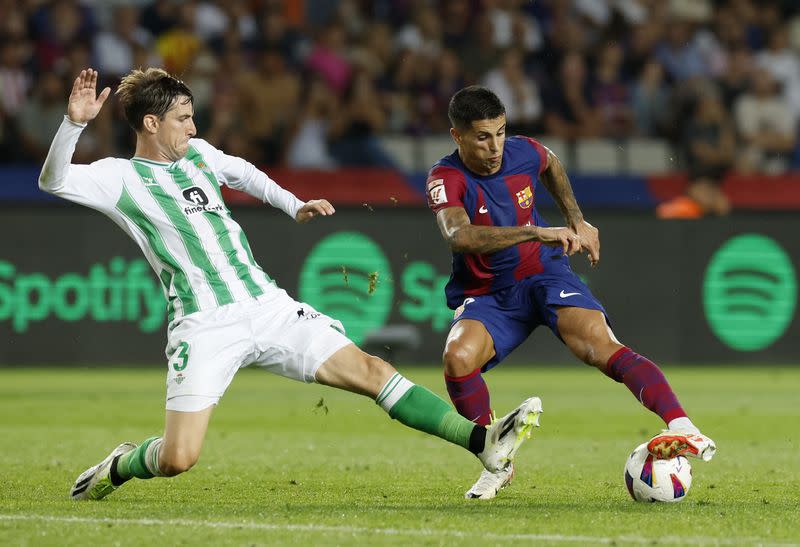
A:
(650, 479)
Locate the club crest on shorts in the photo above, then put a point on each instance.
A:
(460, 309)
(303, 314)
(525, 197)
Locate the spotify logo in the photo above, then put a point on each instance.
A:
(346, 275)
(749, 292)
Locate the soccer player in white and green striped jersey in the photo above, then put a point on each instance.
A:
(224, 311)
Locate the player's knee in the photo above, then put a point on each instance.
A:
(590, 345)
(583, 349)
(458, 361)
(378, 368)
(375, 372)
(177, 461)
(590, 355)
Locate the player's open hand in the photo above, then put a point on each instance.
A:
(590, 241)
(562, 237)
(313, 208)
(84, 103)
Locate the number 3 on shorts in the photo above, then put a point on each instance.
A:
(181, 357)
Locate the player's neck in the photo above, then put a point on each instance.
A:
(148, 151)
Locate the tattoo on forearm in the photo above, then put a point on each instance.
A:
(557, 183)
(489, 239)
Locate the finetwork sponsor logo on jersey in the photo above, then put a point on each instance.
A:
(118, 291)
(200, 199)
(190, 210)
(195, 195)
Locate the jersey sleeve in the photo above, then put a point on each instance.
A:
(446, 187)
(98, 185)
(541, 153)
(242, 175)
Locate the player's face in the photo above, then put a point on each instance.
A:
(481, 146)
(176, 129)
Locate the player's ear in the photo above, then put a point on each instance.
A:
(150, 123)
(456, 136)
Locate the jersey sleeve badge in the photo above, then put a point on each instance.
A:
(436, 192)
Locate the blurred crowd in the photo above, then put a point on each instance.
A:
(312, 83)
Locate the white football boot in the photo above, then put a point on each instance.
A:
(489, 484)
(504, 437)
(94, 483)
(670, 444)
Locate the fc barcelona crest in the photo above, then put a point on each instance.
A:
(525, 197)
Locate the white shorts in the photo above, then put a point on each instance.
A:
(207, 348)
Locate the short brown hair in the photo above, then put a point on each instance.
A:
(150, 91)
(473, 103)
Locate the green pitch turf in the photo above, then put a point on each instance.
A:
(286, 463)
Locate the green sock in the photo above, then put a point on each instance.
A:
(423, 410)
(135, 463)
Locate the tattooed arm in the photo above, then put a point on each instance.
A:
(555, 179)
(465, 237)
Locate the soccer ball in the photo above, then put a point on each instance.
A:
(650, 479)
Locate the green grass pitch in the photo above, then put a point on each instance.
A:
(278, 469)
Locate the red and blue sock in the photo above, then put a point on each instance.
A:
(646, 382)
(470, 396)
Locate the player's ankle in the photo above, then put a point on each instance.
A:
(114, 475)
(683, 424)
(477, 439)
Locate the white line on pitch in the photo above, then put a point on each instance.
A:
(389, 531)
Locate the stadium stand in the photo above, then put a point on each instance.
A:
(610, 87)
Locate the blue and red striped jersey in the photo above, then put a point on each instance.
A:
(507, 198)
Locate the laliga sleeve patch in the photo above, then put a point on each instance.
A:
(436, 192)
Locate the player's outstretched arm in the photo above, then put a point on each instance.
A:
(314, 208)
(84, 104)
(465, 237)
(555, 179)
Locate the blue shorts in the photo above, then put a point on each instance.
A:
(510, 315)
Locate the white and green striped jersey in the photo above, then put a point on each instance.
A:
(176, 214)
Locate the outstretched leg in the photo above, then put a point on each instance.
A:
(354, 370)
(588, 336)
(415, 406)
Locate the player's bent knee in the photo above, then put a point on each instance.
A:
(355, 370)
(378, 370)
(458, 361)
(372, 374)
(582, 349)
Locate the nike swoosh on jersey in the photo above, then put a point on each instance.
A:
(563, 294)
(483, 210)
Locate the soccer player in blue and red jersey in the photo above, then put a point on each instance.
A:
(511, 273)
